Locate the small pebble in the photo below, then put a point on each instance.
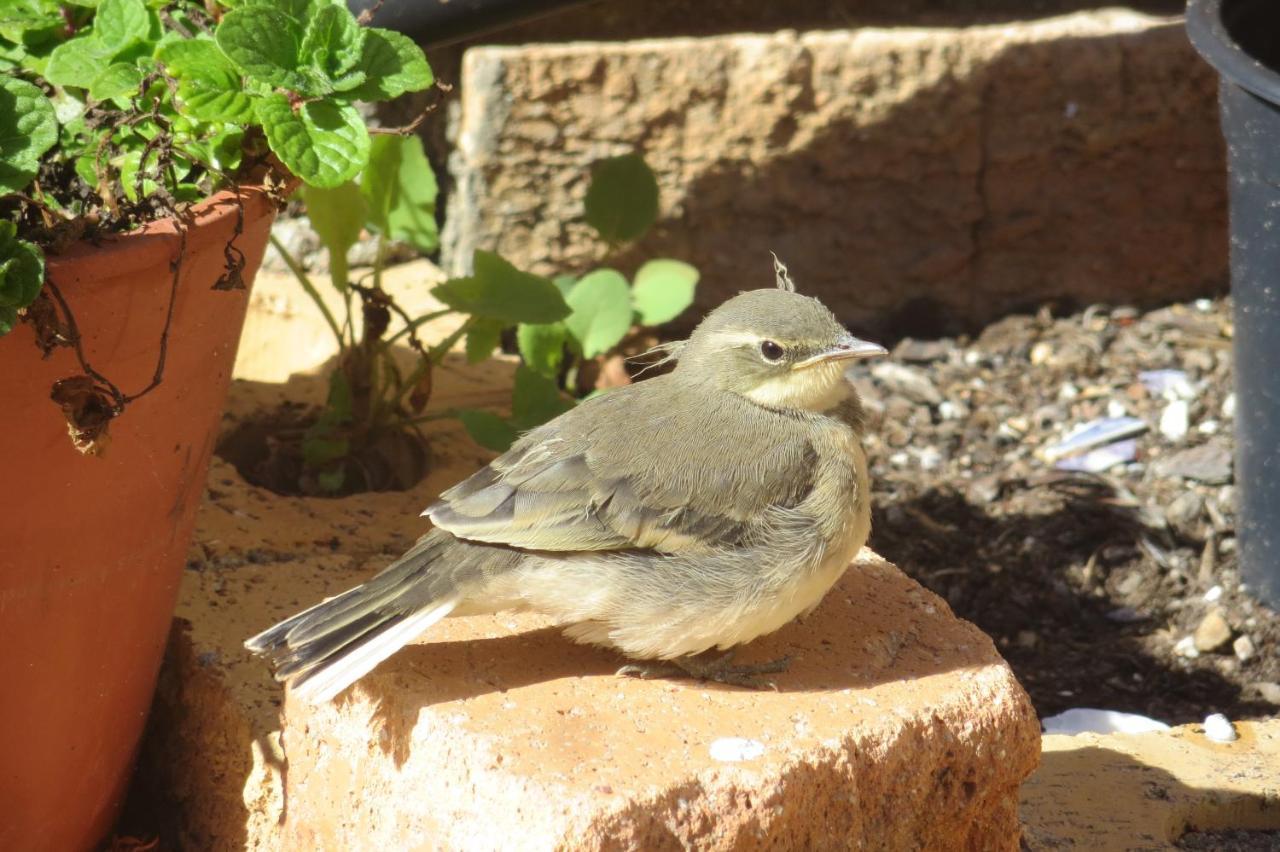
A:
(1212, 633)
(1243, 646)
(930, 458)
(1175, 420)
(1213, 595)
(1208, 463)
(1229, 406)
(1219, 729)
(1115, 408)
(1186, 647)
(1269, 691)
(908, 381)
(1184, 514)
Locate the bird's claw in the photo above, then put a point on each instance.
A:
(717, 670)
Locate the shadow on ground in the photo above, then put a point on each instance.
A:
(1037, 583)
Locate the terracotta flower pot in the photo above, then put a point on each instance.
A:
(92, 549)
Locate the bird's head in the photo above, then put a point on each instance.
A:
(777, 348)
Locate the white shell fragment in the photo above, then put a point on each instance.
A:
(1086, 720)
(736, 749)
(1219, 729)
(1096, 433)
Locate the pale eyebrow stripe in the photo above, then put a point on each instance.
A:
(734, 338)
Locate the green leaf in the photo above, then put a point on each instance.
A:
(565, 284)
(483, 336)
(318, 451)
(264, 43)
(488, 429)
(535, 400)
(116, 80)
(337, 215)
(77, 62)
(21, 274)
(209, 86)
(300, 10)
(663, 289)
(412, 217)
(601, 317)
(542, 346)
(392, 64)
(323, 143)
(378, 181)
(622, 201)
(28, 129)
(122, 23)
(332, 44)
(401, 191)
(332, 480)
(500, 291)
(338, 403)
(320, 444)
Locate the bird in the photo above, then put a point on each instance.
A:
(673, 519)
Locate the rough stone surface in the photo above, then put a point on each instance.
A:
(1122, 792)
(952, 172)
(898, 726)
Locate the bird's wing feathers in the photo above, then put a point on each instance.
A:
(640, 482)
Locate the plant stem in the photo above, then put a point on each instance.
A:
(413, 324)
(301, 275)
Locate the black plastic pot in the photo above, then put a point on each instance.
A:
(1241, 39)
(433, 23)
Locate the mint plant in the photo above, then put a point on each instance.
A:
(117, 112)
(554, 324)
(593, 313)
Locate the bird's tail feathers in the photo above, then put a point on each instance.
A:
(324, 649)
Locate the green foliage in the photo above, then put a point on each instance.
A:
(497, 290)
(599, 308)
(622, 202)
(324, 142)
(27, 130)
(663, 289)
(393, 197)
(155, 97)
(338, 216)
(601, 305)
(21, 274)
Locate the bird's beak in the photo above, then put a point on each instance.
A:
(847, 349)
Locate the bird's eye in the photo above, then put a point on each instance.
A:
(771, 351)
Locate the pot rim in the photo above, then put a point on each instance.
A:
(1215, 44)
(212, 219)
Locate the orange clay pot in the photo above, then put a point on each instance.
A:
(92, 548)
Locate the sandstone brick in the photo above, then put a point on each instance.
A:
(952, 173)
(898, 725)
(1117, 792)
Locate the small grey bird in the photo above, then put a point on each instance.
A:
(693, 511)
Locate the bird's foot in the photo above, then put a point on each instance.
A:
(718, 669)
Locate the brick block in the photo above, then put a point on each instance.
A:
(930, 178)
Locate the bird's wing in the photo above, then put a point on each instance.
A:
(626, 471)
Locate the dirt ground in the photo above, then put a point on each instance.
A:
(1097, 587)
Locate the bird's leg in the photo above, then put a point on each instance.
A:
(717, 668)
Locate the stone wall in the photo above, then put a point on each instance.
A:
(919, 180)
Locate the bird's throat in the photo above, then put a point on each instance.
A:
(817, 389)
